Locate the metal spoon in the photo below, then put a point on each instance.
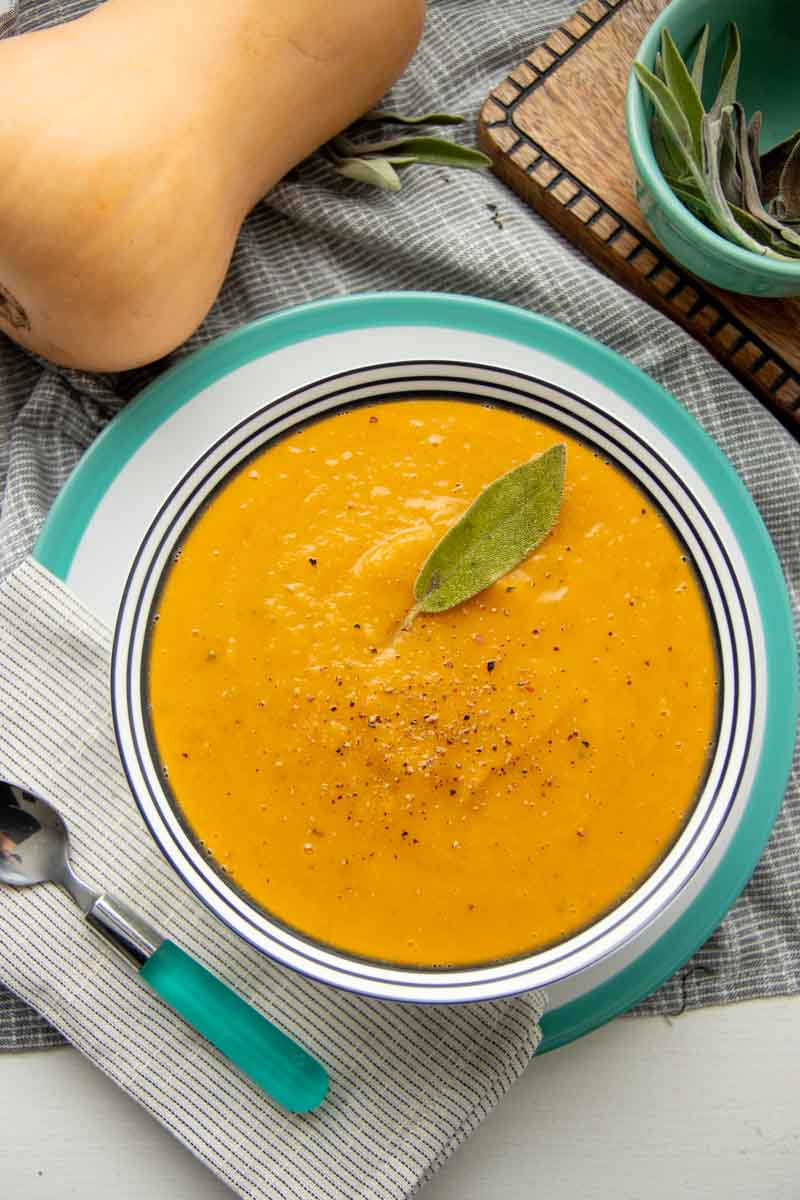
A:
(34, 848)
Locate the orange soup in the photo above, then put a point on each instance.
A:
(478, 786)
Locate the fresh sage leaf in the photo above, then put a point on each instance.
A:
(729, 75)
(430, 150)
(723, 218)
(785, 248)
(682, 88)
(671, 115)
(699, 63)
(689, 194)
(669, 156)
(505, 524)
(772, 165)
(377, 172)
(753, 142)
(376, 117)
(374, 162)
(789, 187)
(729, 174)
(697, 205)
(695, 202)
(752, 200)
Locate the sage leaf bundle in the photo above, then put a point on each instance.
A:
(505, 524)
(711, 158)
(377, 162)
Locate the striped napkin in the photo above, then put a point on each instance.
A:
(408, 1083)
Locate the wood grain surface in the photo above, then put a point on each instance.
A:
(555, 130)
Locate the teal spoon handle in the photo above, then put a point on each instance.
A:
(280, 1066)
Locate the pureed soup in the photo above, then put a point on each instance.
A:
(480, 785)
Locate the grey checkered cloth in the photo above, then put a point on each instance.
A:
(317, 235)
(408, 1082)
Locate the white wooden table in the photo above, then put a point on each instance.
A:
(704, 1107)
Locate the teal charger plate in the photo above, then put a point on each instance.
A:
(74, 544)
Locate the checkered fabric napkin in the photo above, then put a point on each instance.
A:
(408, 1082)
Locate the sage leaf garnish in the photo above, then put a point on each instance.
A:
(711, 158)
(498, 531)
(376, 161)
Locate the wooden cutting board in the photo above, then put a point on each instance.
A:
(555, 130)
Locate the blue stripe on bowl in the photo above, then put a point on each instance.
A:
(230, 452)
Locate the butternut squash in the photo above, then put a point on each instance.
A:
(136, 139)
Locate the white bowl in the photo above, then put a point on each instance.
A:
(195, 424)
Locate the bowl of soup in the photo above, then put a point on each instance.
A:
(478, 801)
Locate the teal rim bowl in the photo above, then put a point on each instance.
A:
(768, 80)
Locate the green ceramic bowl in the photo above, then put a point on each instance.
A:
(769, 80)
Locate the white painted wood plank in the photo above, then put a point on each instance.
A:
(703, 1107)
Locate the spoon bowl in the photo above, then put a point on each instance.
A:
(33, 839)
(34, 847)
